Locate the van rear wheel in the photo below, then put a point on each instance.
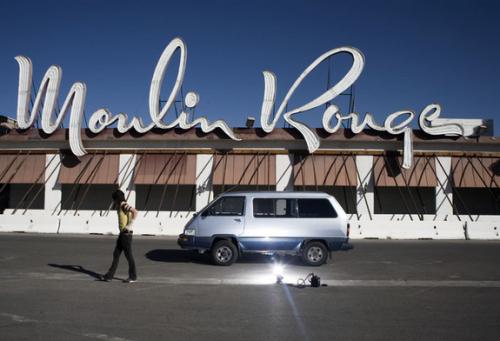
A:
(224, 253)
(314, 254)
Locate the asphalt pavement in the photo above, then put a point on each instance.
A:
(380, 290)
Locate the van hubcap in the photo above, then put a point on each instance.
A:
(315, 254)
(224, 254)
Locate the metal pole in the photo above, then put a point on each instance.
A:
(79, 176)
(363, 190)
(15, 172)
(399, 190)
(455, 193)
(6, 170)
(442, 186)
(42, 173)
(165, 184)
(177, 185)
(314, 173)
(88, 183)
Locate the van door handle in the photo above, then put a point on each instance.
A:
(237, 219)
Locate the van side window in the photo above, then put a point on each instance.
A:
(316, 208)
(275, 208)
(227, 206)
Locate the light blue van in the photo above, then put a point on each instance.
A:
(309, 224)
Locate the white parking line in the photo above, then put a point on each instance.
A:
(263, 280)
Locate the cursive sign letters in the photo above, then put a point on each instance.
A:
(46, 98)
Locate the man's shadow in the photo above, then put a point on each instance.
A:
(77, 268)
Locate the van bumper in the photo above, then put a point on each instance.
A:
(336, 244)
(186, 242)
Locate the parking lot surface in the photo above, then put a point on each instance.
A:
(381, 289)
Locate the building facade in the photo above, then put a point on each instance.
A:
(451, 191)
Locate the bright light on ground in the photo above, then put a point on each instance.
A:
(278, 269)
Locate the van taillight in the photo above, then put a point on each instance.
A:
(348, 229)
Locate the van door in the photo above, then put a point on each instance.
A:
(272, 224)
(226, 216)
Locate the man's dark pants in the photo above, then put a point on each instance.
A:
(123, 243)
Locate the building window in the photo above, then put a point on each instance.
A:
(484, 201)
(22, 196)
(175, 198)
(345, 195)
(86, 197)
(405, 200)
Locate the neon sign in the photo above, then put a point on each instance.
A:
(48, 93)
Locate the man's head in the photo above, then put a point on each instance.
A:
(118, 196)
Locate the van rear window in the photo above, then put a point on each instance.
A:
(273, 208)
(315, 208)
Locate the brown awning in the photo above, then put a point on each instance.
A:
(475, 172)
(97, 169)
(388, 172)
(244, 169)
(166, 169)
(22, 168)
(324, 170)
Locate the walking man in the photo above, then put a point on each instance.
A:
(126, 216)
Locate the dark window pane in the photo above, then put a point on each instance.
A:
(405, 200)
(476, 201)
(227, 206)
(263, 207)
(315, 208)
(345, 195)
(175, 198)
(280, 208)
(22, 196)
(86, 197)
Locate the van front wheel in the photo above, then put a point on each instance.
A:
(314, 254)
(224, 253)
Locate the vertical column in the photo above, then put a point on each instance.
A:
(364, 191)
(444, 205)
(53, 193)
(126, 173)
(284, 172)
(204, 191)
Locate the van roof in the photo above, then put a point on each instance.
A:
(276, 194)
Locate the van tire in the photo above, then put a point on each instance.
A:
(314, 254)
(224, 253)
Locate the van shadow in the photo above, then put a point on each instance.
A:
(187, 256)
(77, 268)
(177, 256)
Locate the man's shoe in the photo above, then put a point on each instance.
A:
(104, 278)
(129, 280)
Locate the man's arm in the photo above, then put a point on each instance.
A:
(127, 208)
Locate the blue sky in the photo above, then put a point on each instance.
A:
(417, 52)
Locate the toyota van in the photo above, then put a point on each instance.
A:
(307, 224)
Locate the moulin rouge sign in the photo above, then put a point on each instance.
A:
(48, 93)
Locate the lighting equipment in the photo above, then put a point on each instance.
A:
(278, 272)
(314, 281)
